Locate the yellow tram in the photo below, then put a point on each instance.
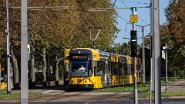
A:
(94, 69)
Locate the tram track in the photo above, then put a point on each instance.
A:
(81, 96)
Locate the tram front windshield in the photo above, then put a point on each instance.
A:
(80, 66)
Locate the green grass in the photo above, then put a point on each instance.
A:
(170, 94)
(14, 95)
(164, 94)
(130, 88)
(144, 94)
(170, 80)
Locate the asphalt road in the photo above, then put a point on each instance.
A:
(62, 97)
(89, 98)
(123, 101)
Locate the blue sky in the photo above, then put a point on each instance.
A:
(143, 17)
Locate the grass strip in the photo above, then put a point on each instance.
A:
(129, 88)
(14, 95)
(164, 94)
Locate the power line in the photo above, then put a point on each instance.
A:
(126, 28)
(127, 8)
(139, 2)
(127, 22)
(114, 3)
(123, 18)
(143, 20)
(44, 7)
(147, 31)
(68, 7)
(124, 3)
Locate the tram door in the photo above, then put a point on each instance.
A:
(106, 75)
(109, 78)
(103, 75)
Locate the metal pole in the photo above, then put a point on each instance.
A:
(133, 13)
(152, 71)
(151, 80)
(135, 82)
(8, 48)
(156, 57)
(93, 40)
(166, 56)
(135, 72)
(24, 53)
(143, 55)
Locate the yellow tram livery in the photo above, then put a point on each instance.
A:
(94, 69)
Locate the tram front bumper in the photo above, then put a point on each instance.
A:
(81, 86)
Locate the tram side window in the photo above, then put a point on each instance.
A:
(90, 68)
(3, 76)
(132, 68)
(125, 69)
(129, 69)
(121, 69)
(115, 68)
(100, 69)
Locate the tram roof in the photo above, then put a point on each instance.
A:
(104, 53)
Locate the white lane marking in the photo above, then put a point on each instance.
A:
(47, 91)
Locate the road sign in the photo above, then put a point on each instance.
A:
(133, 18)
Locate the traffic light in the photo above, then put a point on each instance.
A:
(133, 34)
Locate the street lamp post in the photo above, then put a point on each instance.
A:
(166, 58)
(156, 50)
(8, 48)
(143, 55)
(24, 53)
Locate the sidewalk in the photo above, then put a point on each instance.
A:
(177, 86)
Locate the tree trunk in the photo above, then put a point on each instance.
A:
(15, 70)
(48, 71)
(0, 75)
(32, 71)
(44, 68)
(50, 74)
(57, 71)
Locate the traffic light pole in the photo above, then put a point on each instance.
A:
(152, 71)
(134, 54)
(133, 13)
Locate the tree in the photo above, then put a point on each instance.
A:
(53, 30)
(173, 33)
(175, 15)
(123, 48)
(2, 27)
(96, 20)
(2, 35)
